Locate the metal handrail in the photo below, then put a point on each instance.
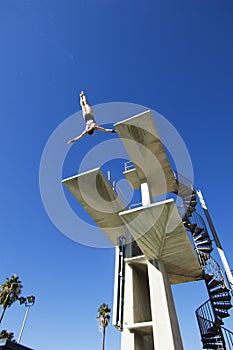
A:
(198, 219)
(116, 188)
(129, 165)
(211, 266)
(135, 205)
(205, 325)
(182, 179)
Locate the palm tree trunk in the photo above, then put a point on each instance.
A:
(103, 338)
(2, 314)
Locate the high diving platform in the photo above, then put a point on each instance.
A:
(142, 142)
(160, 234)
(95, 194)
(157, 228)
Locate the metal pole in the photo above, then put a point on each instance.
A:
(23, 325)
(217, 241)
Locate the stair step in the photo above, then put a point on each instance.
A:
(201, 236)
(191, 203)
(219, 346)
(222, 314)
(208, 277)
(186, 222)
(204, 256)
(197, 231)
(191, 197)
(190, 192)
(191, 227)
(190, 200)
(219, 322)
(184, 191)
(219, 290)
(225, 297)
(203, 262)
(214, 330)
(190, 211)
(205, 242)
(222, 306)
(214, 339)
(214, 283)
(209, 335)
(205, 249)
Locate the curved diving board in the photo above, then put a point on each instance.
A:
(96, 196)
(160, 234)
(142, 142)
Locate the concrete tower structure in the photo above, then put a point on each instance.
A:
(153, 249)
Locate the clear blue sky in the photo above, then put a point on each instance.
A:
(174, 57)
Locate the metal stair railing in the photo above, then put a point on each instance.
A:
(116, 188)
(229, 283)
(212, 267)
(183, 180)
(206, 311)
(211, 332)
(196, 218)
(213, 335)
(210, 314)
(129, 166)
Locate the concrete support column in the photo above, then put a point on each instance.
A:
(166, 330)
(127, 339)
(146, 195)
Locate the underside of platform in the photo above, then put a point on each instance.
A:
(142, 142)
(160, 233)
(96, 196)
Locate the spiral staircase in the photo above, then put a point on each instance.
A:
(211, 314)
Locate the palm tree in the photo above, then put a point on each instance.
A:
(6, 335)
(104, 317)
(9, 293)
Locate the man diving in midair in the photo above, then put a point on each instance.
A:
(88, 116)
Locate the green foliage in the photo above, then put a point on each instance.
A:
(104, 315)
(9, 292)
(6, 335)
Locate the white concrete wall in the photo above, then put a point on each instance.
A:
(148, 298)
(127, 338)
(165, 324)
(141, 295)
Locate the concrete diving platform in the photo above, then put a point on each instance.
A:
(160, 233)
(95, 194)
(143, 144)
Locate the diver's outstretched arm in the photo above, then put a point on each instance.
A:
(77, 138)
(100, 128)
